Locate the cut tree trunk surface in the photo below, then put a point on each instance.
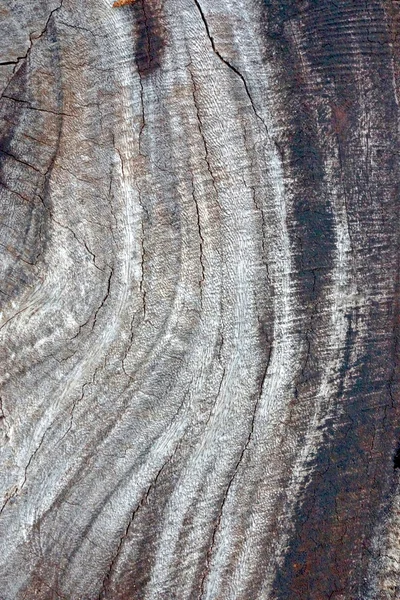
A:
(199, 290)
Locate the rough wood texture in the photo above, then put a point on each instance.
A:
(199, 242)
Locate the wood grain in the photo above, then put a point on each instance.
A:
(199, 240)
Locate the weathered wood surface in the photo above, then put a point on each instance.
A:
(200, 300)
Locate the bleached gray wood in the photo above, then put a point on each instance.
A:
(159, 424)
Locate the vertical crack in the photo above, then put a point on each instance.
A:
(201, 131)
(96, 312)
(142, 287)
(231, 67)
(263, 228)
(111, 568)
(143, 119)
(201, 243)
(232, 478)
(77, 401)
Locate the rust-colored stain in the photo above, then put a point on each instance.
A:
(119, 3)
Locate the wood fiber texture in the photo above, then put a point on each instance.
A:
(199, 289)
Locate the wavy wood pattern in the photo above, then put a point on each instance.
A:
(199, 290)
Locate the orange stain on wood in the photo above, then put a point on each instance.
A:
(119, 3)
